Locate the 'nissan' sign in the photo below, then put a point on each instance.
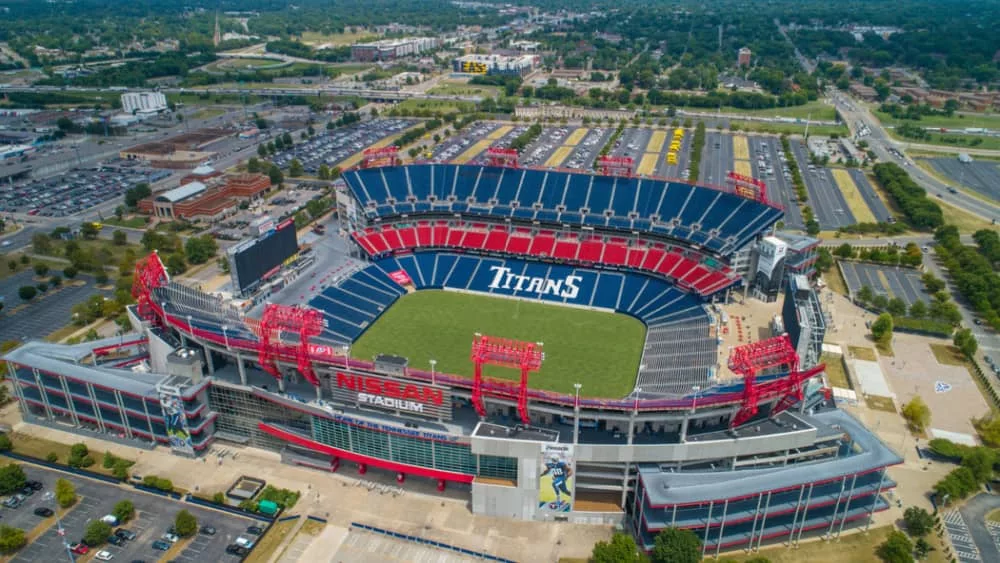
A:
(391, 394)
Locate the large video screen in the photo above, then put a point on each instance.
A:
(265, 254)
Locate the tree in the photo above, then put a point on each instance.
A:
(185, 524)
(324, 172)
(922, 548)
(124, 510)
(12, 478)
(917, 414)
(918, 521)
(980, 461)
(262, 150)
(27, 292)
(199, 250)
(287, 139)
(865, 294)
(89, 230)
(253, 165)
(274, 173)
(176, 263)
(42, 287)
(966, 342)
(896, 307)
(880, 302)
(897, 548)
(675, 545)
(918, 310)
(844, 251)
(97, 533)
(219, 498)
(932, 283)
(621, 549)
(133, 195)
(41, 244)
(55, 280)
(5, 443)
(882, 328)
(12, 265)
(119, 238)
(11, 539)
(69, 272)
(295, 168)
(40, 269)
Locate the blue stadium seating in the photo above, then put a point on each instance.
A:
(355, 303)
(722, 222)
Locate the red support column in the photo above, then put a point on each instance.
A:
(441, 485)
(334, 465)
(525, 356)
(362, 468)
(400, 477)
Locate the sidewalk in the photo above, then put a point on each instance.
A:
(434, 517)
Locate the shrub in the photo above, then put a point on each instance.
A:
(283, 497)
(124, 510)
(69, 272)
(11, 539)
(154, 482)
(12, 478)
(27, 292)
(109, 460)
(185, 524)
(219, 498)
(97, 533)
(5, 444)
(65, 493)
(53, 457)
(120, 469)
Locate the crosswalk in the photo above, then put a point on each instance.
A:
(961, 539)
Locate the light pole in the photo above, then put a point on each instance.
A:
(576, 403)
(635, 405)
(433, 363)
(694, 403)
(346, 348)
(59, 526)
(225, 336)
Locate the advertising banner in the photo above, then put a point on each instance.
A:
(555, 481)
(401, 277)
(173, 418)
(391, 394)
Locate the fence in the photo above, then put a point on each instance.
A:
(431, 543)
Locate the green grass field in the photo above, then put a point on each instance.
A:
(956, 121)
(600, 350)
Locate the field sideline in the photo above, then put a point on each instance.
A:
(600, 350)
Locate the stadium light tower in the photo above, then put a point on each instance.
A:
(694, 403)
(635, 405)
(576, 403)
(433, 363)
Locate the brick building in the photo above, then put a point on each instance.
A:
(198, 200)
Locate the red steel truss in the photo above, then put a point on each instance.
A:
(380, 156)
(748, 187)
(753, 358)
(525, 356)
(149, 275)
(496, 156)
(616, 165)
(300, 321)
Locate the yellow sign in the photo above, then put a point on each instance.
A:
(473, 67)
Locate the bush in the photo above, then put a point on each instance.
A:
(124, 510)
(97, 533)
(283, 497)
(248, 505)
(948, 449)
(918, 521)
(53, 457)
(897, 548)
(27, 292)
(154, 482)
(69, 272)
(11, 539)
(219, 498)
(65, 493)
(109, 460)
(12, 478)
(101, 278)
(185, 524)
(5, 444)
(120, 469)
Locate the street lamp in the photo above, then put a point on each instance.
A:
(225, 335)
(59, 527)
(635, 406)
(433, 363)
(346, 348)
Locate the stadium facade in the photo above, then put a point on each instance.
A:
(741, 462)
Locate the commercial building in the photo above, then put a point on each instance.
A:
(143, 102)
(392, 49)
(800, 254)
(196, 199)
(495, 64)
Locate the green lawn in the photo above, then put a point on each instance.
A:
(600, 350)
(461, 89)
(789, 128)
(812, 110)
(443, 106)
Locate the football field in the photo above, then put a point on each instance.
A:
(597, 349)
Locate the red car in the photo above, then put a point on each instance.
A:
(79, 548)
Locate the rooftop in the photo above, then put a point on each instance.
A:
(184, 192)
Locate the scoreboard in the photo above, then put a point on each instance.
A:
(475, 67)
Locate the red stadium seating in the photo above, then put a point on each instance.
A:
(684, 267)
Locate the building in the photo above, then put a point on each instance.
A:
(495, 64)
(800, 254)
(738, 466)
(143, 102)
(392, 49)
(743, 58)
(185, 150)
(770, 268)
(195, 199)
(804, 320)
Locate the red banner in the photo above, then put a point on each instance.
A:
(401, 277)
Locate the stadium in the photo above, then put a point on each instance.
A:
(546, 342)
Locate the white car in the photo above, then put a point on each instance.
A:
(172, 538)
(244, 541)
(104, 556)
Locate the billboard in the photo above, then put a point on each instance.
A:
(251, 261)
(555, 481)
(391, 394)
(176, 423)
(401, 277)
(475, 67)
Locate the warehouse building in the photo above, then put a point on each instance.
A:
(391, 49)
(495, 64)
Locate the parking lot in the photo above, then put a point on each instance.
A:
(283, 205)
(45, 313)
(958, 532)
(981, 176)
(333, 147)
(885, 280)
(825, 197)
(767, 151)
(716, 158)
(874, 203)
(154, 516)
(76, 190)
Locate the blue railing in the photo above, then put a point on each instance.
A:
(432, 543)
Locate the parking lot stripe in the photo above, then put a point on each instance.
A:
(473, 151)
(496, 135)
(647, 166)
(656, 141)
(885, 283)
(576, 136)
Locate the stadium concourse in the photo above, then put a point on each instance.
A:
(767, 457)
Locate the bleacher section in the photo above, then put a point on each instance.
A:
(686, 268)
(353, 305)
(718, 221)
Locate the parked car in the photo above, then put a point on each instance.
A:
(172, 538)
(161, 545)
(234, 549)
(255, 530)
(43, 512)
(11, 502)
(104, 555)
(246, 542)
(116, 540)
(110, 519)
(36, 485)
(27, 491)
(207, 530)
(125, 534)
(79, 548)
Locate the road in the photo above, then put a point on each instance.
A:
(974, 513)
(855, 113)
(989, 341)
